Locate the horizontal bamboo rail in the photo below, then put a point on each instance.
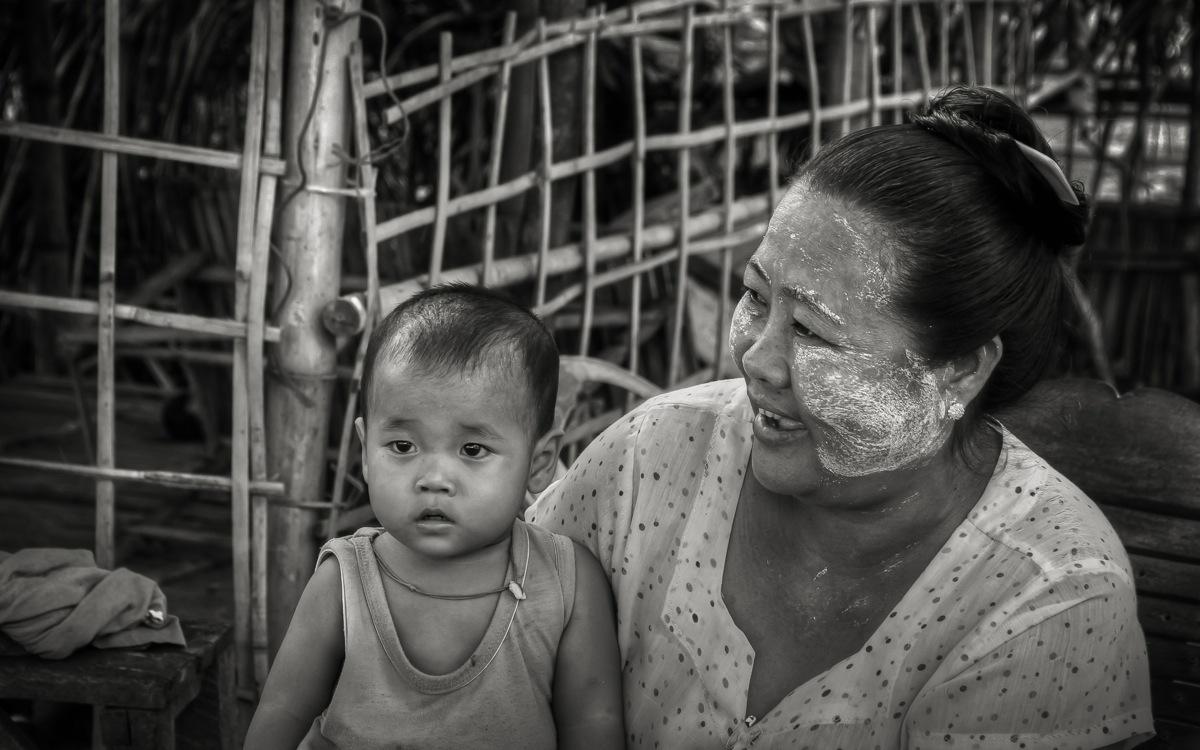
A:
(177, 479)
(173, 321)
(346, 315)
(574, 32)
(117, 144)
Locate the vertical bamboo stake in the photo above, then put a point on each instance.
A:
(943, 42)
(639, 197)
(489, 229)
(684, 168)
(240, 430)
(106, 349)
(922, 52)
(969, 44)
(897, 57)
(547, 164)
(989, 26)
(445, 58)
(847, 64)
(366, 204)
(310, 229)
(873, 64)
(773, 104)
(814, 85)
(730, 115)
(589, 189)
(255, 329)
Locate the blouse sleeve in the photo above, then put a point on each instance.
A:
(593, 502)
(1077, 678)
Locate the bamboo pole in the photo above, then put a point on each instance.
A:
(814, 85)
(639, 198)
(589, 192)
(683, 170)
(344, 317)
(240, 428)
(869, 49)
(547, 172)
(773, 103)
(943, 42)
(175, 479)
(170, 321)
(106, 318)
(922, 52)
(897, 56)
(989, 25)
(110, 143)
(503, 85)
(310, 234)
(366, 204)
(446, 42)
(730, 115)
(968, 37)
(256, 330)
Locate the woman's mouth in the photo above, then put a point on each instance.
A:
(773, 427)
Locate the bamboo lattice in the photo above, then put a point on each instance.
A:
(643, 268)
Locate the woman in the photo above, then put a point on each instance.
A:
(843, 549)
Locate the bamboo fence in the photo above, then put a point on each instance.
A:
(643, 275)
(648, 265)
(260, 167)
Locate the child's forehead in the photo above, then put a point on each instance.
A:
(486, 390)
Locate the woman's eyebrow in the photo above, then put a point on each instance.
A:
(806, 297)
(809, 299)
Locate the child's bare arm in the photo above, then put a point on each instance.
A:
(306, 668)
(587, 675)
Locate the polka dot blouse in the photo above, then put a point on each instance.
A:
(1022, 632)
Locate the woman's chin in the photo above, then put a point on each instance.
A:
(785, 472)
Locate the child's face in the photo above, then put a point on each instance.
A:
(448, 458)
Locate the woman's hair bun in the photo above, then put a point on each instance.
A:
(987, 125)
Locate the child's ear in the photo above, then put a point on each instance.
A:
(544, 460)
(361, 429)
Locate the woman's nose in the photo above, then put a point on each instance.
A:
(764, 358)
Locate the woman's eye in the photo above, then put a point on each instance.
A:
(803, 331)
(755, 297)
(402, 447)
(474, 450)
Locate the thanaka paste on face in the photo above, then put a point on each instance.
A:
(877, 414)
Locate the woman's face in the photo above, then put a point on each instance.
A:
(837, 387)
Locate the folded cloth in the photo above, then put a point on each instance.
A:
(55, 601)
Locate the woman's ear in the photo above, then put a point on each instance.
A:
(966, 376)
(361, 429)
(544, 460)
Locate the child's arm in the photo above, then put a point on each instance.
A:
(306, 668)
(587, 675)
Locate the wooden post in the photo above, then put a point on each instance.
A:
(309, 236)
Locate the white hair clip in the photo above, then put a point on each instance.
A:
(1051, 172)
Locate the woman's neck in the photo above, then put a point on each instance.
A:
(867, 524)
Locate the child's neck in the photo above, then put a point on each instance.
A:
(477, 570)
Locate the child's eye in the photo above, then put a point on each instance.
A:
(402, 447)
(475, 450)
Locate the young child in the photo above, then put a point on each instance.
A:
(456, 624)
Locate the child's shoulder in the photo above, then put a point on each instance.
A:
(344, 545)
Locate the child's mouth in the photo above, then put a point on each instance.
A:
(434, 515)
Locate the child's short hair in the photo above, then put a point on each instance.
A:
(459, 327)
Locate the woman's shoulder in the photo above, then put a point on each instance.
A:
(1038, 512)
(716, 398)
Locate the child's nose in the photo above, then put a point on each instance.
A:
(433, 478)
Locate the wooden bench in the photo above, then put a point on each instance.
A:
(1138, 457)
(159, 697)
